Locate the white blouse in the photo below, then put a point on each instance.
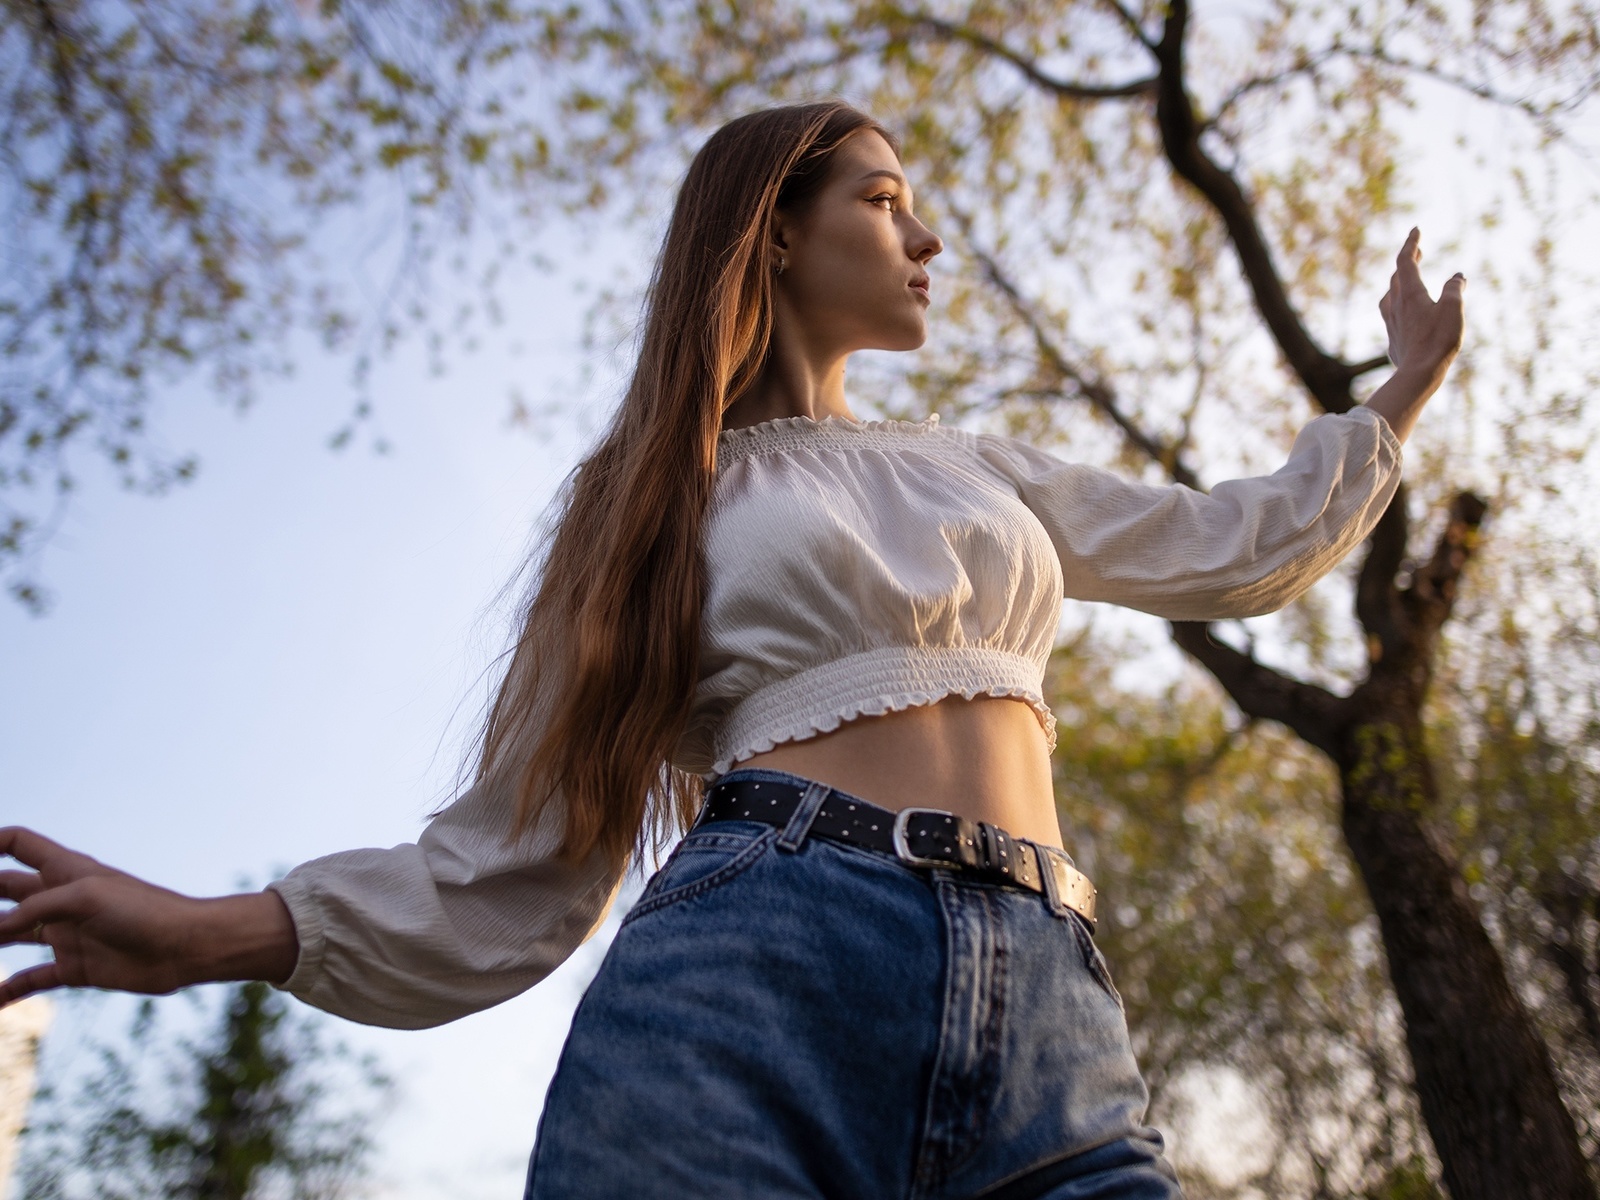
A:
(853, 568)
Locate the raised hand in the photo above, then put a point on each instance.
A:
(1424, 334)
(108, 929)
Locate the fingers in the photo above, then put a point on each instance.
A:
(1408, 274)
(1454, 289)
(19, 885)
(1411, 252)
(44, 907)
(38, 851)
(42, 978)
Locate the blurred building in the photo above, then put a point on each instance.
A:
(21, 1027)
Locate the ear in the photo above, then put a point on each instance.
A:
(780, 231)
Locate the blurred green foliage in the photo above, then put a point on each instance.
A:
(263, 1107)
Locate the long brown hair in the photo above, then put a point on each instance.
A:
(603, 670)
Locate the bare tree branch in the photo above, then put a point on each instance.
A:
(1313, 713)
(1094, 389)
(1306, 66)
(1065, 89)
(1541, 114)
(1131, 22)
(1325, 376)
(1432, 594)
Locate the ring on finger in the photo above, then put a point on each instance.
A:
(38, 932)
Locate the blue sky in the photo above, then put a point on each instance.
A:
(283, 660)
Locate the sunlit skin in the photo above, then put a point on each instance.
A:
(855, 278)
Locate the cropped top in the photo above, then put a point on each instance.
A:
(853, 568)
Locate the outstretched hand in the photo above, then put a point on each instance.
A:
(1424, 333)
(108, 929)
(1424, 336)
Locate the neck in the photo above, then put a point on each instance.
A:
(796, 382)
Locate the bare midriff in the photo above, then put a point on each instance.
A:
(986, 759)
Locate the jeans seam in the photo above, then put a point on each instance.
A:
(1093, 960)
(990, 1036)
(1000, 1185)
(694, 842)
(924, 1177)
(734, 866)
(938, 1159)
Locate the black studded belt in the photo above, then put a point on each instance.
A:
(918, 837)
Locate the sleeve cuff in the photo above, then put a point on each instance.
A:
(1386, 435)
(308, 928)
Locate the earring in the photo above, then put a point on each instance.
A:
(782, 263)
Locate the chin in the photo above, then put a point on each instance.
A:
(911, 336)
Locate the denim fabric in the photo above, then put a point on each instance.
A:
(827, 1022)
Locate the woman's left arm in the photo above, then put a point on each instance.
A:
(1249, 546)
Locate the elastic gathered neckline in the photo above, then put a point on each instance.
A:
(828, 422)
(788, 433)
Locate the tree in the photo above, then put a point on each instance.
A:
(1242, 941)
(248, 1115)
(1162, 217)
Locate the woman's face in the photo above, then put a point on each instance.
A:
(855, 260)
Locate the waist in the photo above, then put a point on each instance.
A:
(921, 838)
(986, 760)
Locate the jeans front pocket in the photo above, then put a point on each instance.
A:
(1092, 958)
(704, 860)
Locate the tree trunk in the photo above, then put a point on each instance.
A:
(1483, 1076)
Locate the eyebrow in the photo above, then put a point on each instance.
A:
(886, 174)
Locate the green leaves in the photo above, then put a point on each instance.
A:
(165, 165)
(245, 1113)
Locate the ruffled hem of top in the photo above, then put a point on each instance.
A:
(822, 699)
(783, 433)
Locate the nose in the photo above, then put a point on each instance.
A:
(924, 243)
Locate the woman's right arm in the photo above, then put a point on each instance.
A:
(108, 929)
(406, 937)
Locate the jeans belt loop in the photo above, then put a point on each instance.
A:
(1084, 901)
(1052, 893)
(794, 833)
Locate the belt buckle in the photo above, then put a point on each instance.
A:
(902, 847)
(1073, 888)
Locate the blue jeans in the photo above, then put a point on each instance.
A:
(825, 1022)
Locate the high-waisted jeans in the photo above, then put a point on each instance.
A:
(829, 1023)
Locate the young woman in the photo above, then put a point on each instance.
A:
(868, 969)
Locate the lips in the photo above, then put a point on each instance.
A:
(920, 284)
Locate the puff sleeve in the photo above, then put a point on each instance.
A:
(1248, 547)
(420, 934)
